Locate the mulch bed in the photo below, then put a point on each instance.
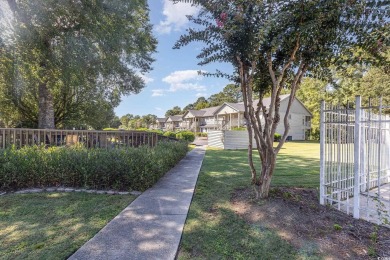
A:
(296, 215)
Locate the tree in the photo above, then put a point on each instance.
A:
(66, 54)
(148, 120)
(176, 110)
(273, 45)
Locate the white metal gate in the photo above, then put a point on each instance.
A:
(355, 159)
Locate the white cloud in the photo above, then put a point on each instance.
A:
(175, 16)
(158, 108)
(145, 78)
(157, 92)
(184, 80)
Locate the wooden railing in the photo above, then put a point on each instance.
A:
(20, 137)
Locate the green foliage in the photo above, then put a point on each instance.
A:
(277, 137)
(176, 110)
(238, 128)
(201, 134)
(337, 227)
(110, 129)
(143, 129)
(123, 169)
(157, 131)
(170, 134)
(84, 53)
(186, 135)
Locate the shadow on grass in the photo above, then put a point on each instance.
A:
(214, 231)
(53, 225)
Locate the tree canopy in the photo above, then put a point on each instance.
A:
(274, 44)
(62, 60)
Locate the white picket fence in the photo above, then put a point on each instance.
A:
(355, 159)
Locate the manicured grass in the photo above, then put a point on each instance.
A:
(53, 225)
(214, 231)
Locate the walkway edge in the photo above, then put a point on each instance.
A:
(151, 226)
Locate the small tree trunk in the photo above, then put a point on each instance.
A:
(46, 108)
(267, 170)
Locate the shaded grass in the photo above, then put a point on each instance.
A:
(53, 225)
(214, 231)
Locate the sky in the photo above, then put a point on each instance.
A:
(174, 80)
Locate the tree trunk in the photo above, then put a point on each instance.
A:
(46, 108)
(267, 170)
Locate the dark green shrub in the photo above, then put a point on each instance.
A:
(277, 137)
(170, 134)
(122, 169)
(186, 135)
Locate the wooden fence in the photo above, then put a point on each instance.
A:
(20, 137)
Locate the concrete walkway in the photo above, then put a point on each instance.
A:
(151, 226)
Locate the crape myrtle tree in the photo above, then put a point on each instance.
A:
(62, 58)
(272, 46)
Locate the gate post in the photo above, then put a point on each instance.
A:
(322, 153)
(356, 169)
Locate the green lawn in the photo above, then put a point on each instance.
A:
(53, 225)
(214, 231)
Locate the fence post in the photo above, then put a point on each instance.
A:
(356, 169)
(322, 153)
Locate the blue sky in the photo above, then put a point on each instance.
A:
(174, 79)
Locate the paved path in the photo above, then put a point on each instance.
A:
(151, 226)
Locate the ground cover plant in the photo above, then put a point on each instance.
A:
(226, 221)
(53, 225)
(121, 169)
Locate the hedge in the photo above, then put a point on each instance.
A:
(119, 169)
(186, 135)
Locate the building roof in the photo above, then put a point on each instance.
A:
(210, 111)
(197, 113)
(161, 119)
(176, 118)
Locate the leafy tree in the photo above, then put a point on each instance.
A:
(148, 120)
(62, 56)
(273, 45)
(176, 110)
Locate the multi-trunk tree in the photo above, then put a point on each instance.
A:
(273, 45)
(64, 58)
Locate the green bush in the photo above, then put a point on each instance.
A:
(186, 135)
(238, 128)
(201, 134)
(157, 131)
(122, 169)
(170, 134)
(277, 137)
(143, 129)
(110, 129)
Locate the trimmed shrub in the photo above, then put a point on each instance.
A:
(238, 128)
(201, 134)
(157, 131)
(121, 169)
(277, 137)
(170, 134)
(143, 129)
(186, 135)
